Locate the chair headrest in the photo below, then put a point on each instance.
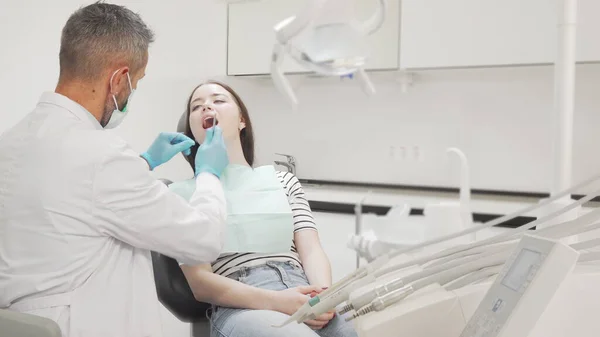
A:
(182, 122)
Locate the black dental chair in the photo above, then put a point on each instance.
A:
(176, 295)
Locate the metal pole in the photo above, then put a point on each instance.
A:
(564, 94)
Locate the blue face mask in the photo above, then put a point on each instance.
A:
(118, 115)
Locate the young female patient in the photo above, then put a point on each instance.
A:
(273, 260)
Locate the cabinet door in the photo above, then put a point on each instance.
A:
(588, 25)
(251, 36)
(466, 33)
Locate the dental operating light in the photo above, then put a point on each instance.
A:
(328, 49)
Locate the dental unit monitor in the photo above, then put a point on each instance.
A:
(523, 288)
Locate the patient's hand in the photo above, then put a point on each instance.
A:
(321, 321)
(290, 300)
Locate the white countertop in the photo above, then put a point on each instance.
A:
(415, 199)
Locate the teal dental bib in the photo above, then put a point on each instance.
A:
(259, 216)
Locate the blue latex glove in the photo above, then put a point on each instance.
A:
(212, 154)
(166, 146)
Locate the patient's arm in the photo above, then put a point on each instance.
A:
(223, 291)
(306, 237)
(314, 260)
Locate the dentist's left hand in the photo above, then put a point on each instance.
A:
(166, 146)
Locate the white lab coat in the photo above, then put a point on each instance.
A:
(79, 214)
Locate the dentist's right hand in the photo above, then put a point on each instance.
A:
(212, 153)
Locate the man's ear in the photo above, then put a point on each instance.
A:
(118, 78)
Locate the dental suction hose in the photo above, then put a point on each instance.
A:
(582, 224)
(494, 239)
(474, 277)
(438, 274)
(396, 295)
(394, 284)
(504, 218)
(493, 271)
(382, 260)
(462, 280)
(589, 257)
(472, 253)
(459, 277)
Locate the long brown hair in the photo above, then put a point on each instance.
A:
(246, 134)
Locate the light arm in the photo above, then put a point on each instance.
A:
(375, 22)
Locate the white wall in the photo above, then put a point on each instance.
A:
(180, 58)
(499, 117)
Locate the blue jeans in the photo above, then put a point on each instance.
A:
(229, 322)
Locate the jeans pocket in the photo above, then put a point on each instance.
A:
(239, 275)
(296, 273)
(217, 321)
(294, 265)
(219, 315)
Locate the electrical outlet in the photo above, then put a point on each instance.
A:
(402, 153)
(397, 153)
(416, 153)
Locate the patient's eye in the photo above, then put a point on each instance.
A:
(195, 107)
(219, 101)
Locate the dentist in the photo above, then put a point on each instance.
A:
(79, 209)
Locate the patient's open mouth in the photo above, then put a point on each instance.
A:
(209, 122)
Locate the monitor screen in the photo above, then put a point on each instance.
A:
(521, 268)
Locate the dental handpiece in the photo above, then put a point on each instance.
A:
(390, 286)
(380, 303)
(316, 306)
(443, 277)
(303, 311)
(335, 299)
(384, 259)
(336, 294)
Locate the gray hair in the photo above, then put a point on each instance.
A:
(99, 34)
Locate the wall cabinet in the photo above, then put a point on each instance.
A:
(467, 33)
